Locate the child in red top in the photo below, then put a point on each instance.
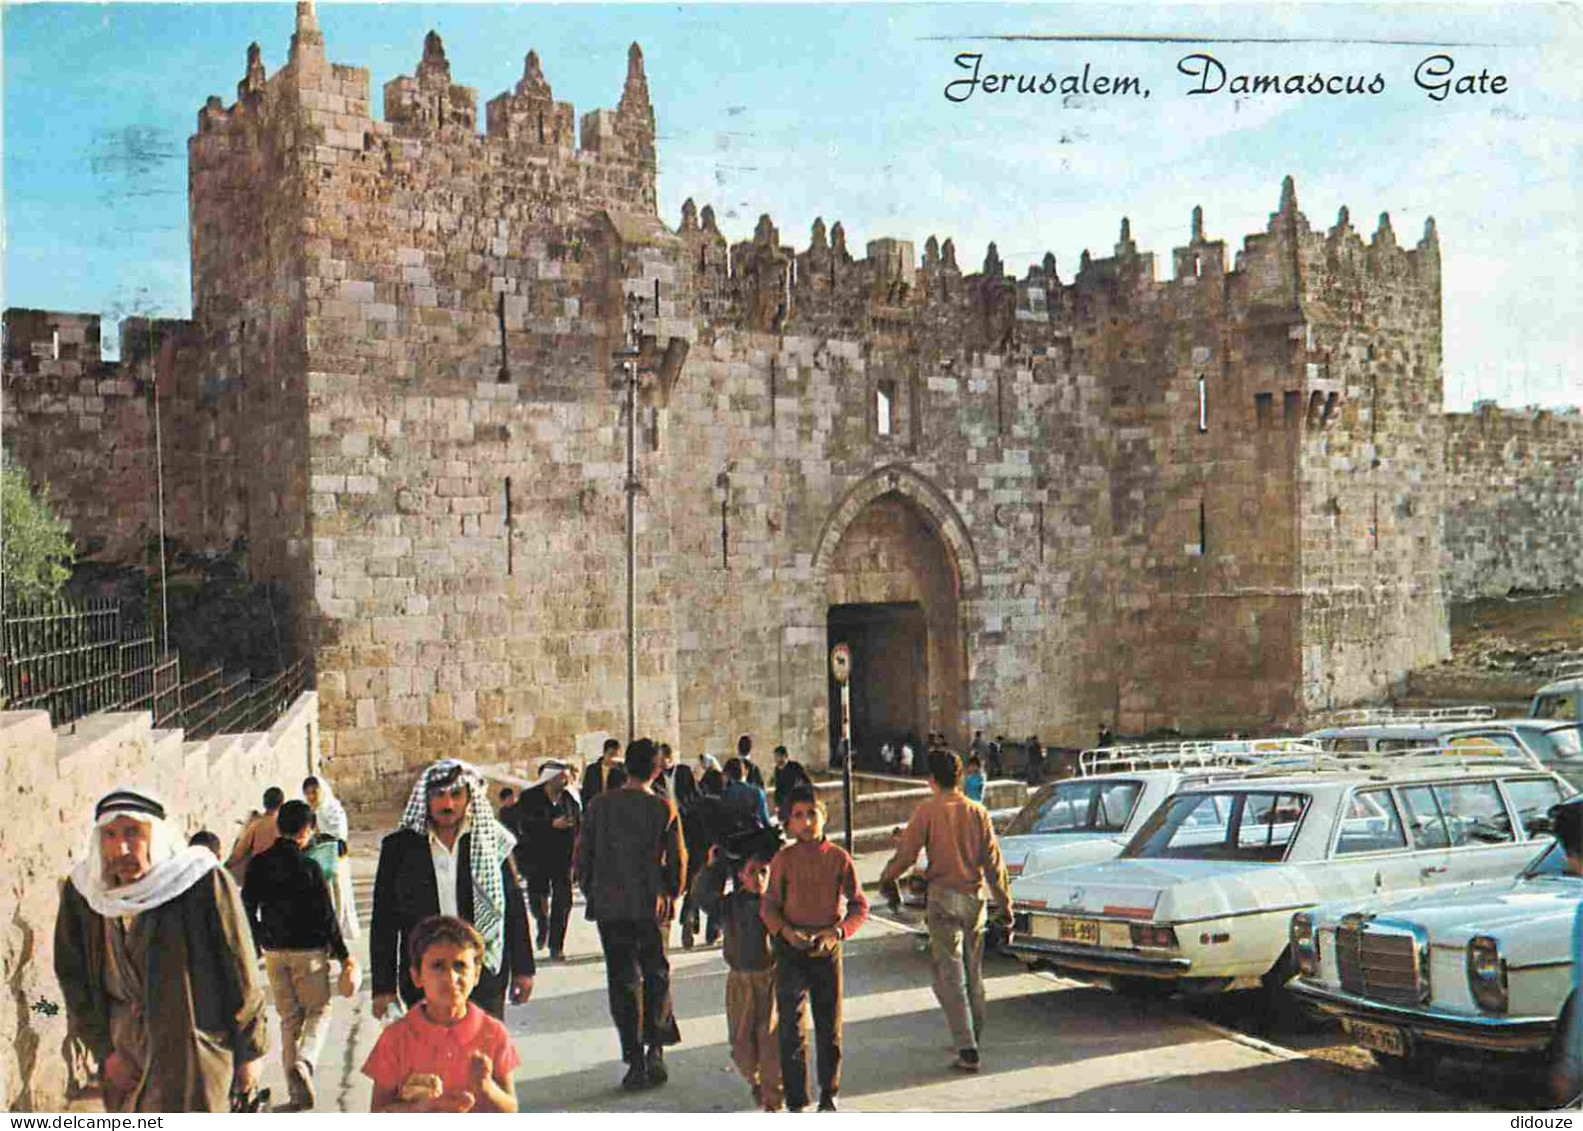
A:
(446, 1054)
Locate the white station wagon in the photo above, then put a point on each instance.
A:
(1486, 966)
(1202, 896)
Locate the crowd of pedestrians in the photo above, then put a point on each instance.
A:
(157, 944)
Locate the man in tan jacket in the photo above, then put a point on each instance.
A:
(963, 855)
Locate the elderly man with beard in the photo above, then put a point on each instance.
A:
(546, 816)
(450, 857)
(156, 964)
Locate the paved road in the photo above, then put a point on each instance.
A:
(1049, 1045)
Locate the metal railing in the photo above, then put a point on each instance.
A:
(1217, 753)
(75, 660)
(1372, 716)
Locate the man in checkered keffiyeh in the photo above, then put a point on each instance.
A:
(450, 856)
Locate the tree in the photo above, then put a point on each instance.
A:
(35, 546)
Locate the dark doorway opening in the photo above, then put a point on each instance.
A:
(890, 677)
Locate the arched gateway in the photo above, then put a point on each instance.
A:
(895, 562)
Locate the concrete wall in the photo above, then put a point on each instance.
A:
(1514, 501)
(53, 778)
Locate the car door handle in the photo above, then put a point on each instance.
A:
(1433, 870)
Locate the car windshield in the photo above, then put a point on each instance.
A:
(1561, 705)
(1078, 806)
(1246, 825)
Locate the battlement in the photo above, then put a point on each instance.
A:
(323, 112)
(1288, 274)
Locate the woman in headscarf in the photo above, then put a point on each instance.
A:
(332, 821)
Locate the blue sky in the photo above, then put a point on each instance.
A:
(812, 110)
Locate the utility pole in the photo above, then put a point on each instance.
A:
(628, 356)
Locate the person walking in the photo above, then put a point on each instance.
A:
(450, 857)
(597, 776)
(293, 919)
(546, 817)
(329, 816)
(743, 805)
(750, 980)
(973, 783)
(812, 904)
(702, 828)
(676, 781)
(963, 856)
(750, 772)
(631, 863)
(256, 836)
(156, 965)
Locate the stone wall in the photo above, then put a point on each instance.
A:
(55, 777)
(1514, 501)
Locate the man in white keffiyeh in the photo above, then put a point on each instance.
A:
(450, 857)
(156, 963)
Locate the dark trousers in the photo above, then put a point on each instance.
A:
(550, 899)
(802, 980)
(638, 975)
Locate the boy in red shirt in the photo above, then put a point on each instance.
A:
(802, 907)
(446, 1054)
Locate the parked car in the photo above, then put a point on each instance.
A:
(1203, 894)
(1486, 967)
(1562, 699)
(1556, 744)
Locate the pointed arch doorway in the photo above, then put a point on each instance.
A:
(894, 591)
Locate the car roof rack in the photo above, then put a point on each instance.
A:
(1191, 754)
(1364, 716)
(1570, 667)
(1381, 765)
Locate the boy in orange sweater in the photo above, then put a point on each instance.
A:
(813, 903)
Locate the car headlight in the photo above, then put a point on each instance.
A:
(1305, 945)
(1487, 974)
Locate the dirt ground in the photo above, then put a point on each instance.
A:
(1503, 649)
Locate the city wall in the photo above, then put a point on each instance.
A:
(55, 777)
(1514, 501)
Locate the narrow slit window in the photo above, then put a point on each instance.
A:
(1198, 266)
(1203, 529)
(1263, 408)
(885, 408)
(1203, 405)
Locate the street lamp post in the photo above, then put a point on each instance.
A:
(628, 356)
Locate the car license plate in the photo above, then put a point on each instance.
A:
(1387, 1039)
(1085, 931)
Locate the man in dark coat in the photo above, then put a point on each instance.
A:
(675, 782)
(631, 864)
(156, 964)
(603, 774)
(545, 819)
(788, 776)
(450, 857)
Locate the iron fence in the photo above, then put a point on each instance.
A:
(74, 660)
